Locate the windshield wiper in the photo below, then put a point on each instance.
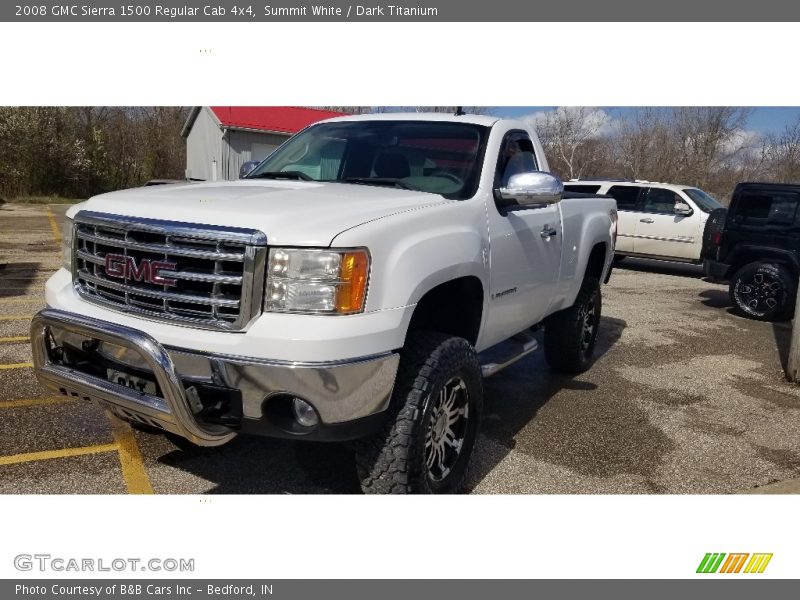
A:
(281, 175)
(383, 181)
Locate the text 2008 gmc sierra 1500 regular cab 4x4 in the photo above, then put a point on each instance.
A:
(342, 291)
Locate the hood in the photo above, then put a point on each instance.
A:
(294, 213)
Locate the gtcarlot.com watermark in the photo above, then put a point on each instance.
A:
(60, 564)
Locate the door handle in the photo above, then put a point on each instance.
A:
(548, 232)
(647, 220)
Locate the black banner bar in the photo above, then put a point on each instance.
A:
(401, 10)
(711, 586)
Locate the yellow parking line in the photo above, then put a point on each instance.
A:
(19, 300)
(49, 454)
(20, 275)
(42, 401)
(53, 224)
(16, 317)
(14, 338)
(30, 279)
(10, 366)
(20, 269)
(130, 458)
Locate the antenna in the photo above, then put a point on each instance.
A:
(460, 111)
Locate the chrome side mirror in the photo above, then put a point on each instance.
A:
(683, 210)
(532, 188)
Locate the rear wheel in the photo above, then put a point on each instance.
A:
(432, 422)
(570, 334)
(763, 291)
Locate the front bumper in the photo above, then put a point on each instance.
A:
(207, 397)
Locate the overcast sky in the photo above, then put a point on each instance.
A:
(762, 119)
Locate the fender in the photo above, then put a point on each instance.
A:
(583, 230)
(740, 253)
(415, 251)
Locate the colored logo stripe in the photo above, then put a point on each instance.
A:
(758, 563)
(710, 562)
(733, 564)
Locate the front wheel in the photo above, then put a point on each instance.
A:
(432, 422)
(570, 334)
(763, 291)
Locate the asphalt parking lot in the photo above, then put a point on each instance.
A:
(685, 397)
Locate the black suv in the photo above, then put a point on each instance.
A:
(755, 245)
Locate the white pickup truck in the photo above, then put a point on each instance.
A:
(346, 289)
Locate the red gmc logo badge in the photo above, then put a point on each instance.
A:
(126, 267)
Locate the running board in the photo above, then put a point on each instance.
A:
(508, 352)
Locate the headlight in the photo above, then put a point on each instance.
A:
(317, 281)
(66, 244)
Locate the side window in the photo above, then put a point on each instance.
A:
(516, 156)
(661, 201)
(625, 195)
(581, 189)
(756, 207)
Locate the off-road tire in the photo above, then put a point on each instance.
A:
(763, 291)
(568, 346)
(394, 459)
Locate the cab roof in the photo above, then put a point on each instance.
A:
(485, 120)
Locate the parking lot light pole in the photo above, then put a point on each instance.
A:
(793, 362)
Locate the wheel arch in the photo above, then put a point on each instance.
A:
(454, 306)
(587, 243)
(594, 261)
(597, 261)
(745, 255)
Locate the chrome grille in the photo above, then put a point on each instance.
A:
(213, 276)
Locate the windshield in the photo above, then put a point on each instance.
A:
(428, 156)
(704, 202)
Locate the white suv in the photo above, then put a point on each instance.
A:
(656, 220)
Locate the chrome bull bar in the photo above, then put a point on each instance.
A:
(169, 411)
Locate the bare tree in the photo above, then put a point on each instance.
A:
(783, 154)
(360, 110)
(79, 151)
(570, 137)
(706, 138)
(643, 145)
(350, 110)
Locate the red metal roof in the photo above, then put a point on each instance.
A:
(284, 119)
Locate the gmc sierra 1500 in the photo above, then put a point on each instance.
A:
(346, 289)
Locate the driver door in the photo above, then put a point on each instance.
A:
(525, 250)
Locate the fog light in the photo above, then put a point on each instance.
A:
(304, 413)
